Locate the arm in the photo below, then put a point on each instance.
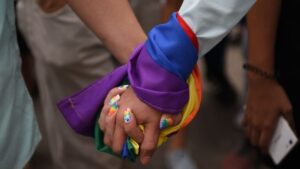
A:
(198, 26)
(172, 47)
(262, 25)
(113, 22)
(203, 21)
(260, 121)
(210, 21)
(169, 7)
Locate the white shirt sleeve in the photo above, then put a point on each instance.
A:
(211, 20)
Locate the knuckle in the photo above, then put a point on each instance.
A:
(108, 121)
(129, 129)
(120, 118)
(149, 147)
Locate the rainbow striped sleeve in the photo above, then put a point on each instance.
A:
(158, 71)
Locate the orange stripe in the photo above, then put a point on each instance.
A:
(188, 31)
(197, 78)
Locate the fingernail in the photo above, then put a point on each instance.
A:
(127, 115)
(123, 87)
(112, 110)
(166, 122)
(114, 100)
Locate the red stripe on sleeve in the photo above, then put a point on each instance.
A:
(188, 31)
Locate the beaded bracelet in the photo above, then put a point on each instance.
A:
(258, 71)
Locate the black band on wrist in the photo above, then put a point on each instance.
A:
(260, 72)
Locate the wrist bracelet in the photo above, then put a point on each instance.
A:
(258, 71)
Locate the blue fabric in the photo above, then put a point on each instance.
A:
(171, 48)
(124, 152)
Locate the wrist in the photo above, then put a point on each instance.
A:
(256, 73)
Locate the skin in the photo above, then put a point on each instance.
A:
(120, 36)
(50, 6)
(115, 129)
(266, 100)
(169, 7)
(113, 22)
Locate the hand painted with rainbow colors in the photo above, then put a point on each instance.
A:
(117, 121)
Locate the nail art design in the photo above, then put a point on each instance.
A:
(127, 115)
(114, 100)
(166, 122)
(113, 109)
(123, 87)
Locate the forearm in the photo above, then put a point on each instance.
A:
(171, 50)
(113, 22)
(262, 26)
(169, 7)
(176, 45)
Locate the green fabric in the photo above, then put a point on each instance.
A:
(100, 146)
(99, 136)
(132, 156)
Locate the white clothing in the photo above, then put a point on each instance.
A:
(212, 20)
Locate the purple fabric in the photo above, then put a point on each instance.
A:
(80, 110)
(154, 85)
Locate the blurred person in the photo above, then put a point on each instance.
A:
(224, 92)
(69, 56)
(27, 62)
(273, 88)
(19, 133)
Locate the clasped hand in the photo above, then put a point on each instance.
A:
(266, 102)
(121, 116)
